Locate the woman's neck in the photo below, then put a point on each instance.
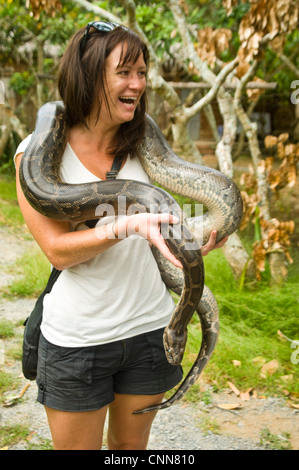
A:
(92, 147)
(98, 135)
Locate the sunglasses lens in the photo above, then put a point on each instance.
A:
(101, 26)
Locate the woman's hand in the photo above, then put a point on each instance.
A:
(148, 226)
(211, 244)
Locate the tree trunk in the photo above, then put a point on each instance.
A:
(182, 142)
(40, 70)
(277, 259)
(6, 130)
(225, 145)
(238, 257)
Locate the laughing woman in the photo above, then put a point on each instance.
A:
(101, 335)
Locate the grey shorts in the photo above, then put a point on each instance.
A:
(82, 379)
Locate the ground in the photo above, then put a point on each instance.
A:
(226, 421)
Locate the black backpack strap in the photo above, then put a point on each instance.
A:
(110, 175)
(32, 330)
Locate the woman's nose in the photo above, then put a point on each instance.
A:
(137, 82)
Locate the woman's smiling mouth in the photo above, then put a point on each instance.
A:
(128, 99)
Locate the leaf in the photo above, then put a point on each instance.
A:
(236, 363)
(271, 19)
(233, 388)
(287, 378)
(11, 401)
(269, 368)
(270, 141)
(229, 406)
(245, 396)
(293, 405)
(282, 336)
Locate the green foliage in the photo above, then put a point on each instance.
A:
(211, 13)
(157, 22)
(21, 82)
(19, 28)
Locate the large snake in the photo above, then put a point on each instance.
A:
(43, 188)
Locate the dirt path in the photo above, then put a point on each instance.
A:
(204, 426)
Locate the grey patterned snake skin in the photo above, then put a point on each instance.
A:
(44, 190)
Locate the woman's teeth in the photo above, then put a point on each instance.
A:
(127, 99)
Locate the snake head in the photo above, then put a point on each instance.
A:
(173, 350)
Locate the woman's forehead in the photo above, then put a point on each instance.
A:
(123, 54)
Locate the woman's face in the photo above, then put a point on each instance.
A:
(125, 85)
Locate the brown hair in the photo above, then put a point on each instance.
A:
(81, 81)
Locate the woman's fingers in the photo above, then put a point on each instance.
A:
(149, 226)
(211, 244)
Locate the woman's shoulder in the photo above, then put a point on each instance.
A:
(22, 146)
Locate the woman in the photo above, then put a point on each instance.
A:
(101, 342)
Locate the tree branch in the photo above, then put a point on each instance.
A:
(224, 146)
(221, 77)
(98, 10)
(290, 64)
(201, 66)
(250, 129)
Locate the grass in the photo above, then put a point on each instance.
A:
(275, 442)
(10, 214)
(249, 323)
(6, 329)
(10, 435)
(7, 382)
(32, 271)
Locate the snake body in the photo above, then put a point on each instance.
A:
(43, 188)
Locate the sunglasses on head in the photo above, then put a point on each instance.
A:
(101, 26)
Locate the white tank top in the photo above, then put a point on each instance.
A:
(117, 294)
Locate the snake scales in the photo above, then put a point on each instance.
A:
(43, 188)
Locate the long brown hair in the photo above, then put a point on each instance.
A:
(81, 81)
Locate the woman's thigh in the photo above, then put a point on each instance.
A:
(128, 431)
(82, 430)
